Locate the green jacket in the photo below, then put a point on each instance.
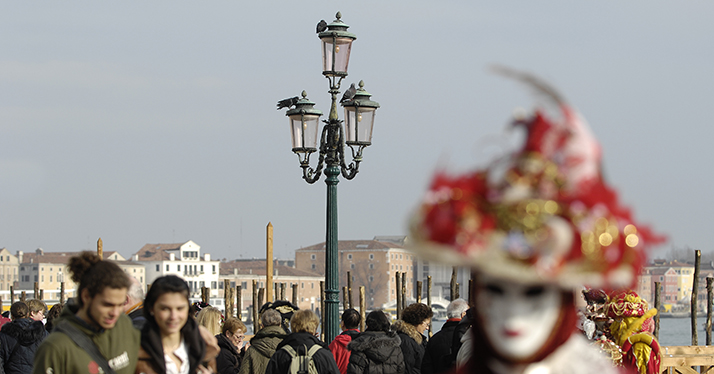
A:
(262, 347)
(58, 354)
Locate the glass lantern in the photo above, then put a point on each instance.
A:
(359, 118)
(336, 48)
(304, 127)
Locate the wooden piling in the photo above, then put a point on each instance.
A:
(36, 290)
(457, 292)
(428, 297)
(658, 306)
(23, 296)
(227, 298)
(100, 249)
(255, 306)
(269, 262)
(404, 291)
(398, 291)
(239, 301)
(42, 295)
(349, 290)
(471, 291)
(295, 294)
(61, 298)
(710, 299)
(452, 287)
(362, 308)
(276, 293)
(345, 303)
(322, 310)
(695, 292)
(12, 294)
(418, 292)
(261, 297)
(204, 295)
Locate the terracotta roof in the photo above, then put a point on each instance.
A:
(55, 257)
(157, 252)
(257, 267)
(348, 245)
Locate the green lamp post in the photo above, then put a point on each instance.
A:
(357, 134)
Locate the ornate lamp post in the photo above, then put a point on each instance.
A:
(357, 134)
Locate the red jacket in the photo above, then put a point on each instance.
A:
(338, 347)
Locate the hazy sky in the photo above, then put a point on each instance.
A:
(155, 122)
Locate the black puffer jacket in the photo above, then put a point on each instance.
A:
(228, 360)
(22, 336)
(280, 362)
(376, 352)
(413, 346)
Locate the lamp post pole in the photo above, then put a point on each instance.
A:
(357, 134)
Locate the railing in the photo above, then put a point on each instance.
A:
(688, 359)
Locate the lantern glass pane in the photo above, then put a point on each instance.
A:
(304, 131)
(342, 47)
(358, 124)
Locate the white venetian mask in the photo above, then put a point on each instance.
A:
(517, 318)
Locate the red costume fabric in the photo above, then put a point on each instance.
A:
(339, 349)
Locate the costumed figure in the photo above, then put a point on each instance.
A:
(632, 331)
(596, 324)
(535, 226)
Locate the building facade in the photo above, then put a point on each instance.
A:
(371, 263)
(9, 267)
(182, 259)
(244, 272)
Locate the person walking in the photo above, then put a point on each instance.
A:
(300, 342)
(171, 342)
(134, 307)
(38, 309)
(263, 345)
(438, 355)
(92, 333)
(350, 323)
(230, 340)
(415, 319)
(19, 340)
(377, 349)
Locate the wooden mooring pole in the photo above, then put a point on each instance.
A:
(345, 302)
(261, 297)
(255, 306)
(239, 301)
(418, 292)
(362, 308)
(710, 299)
(658, 306)
(404, 291)
(695, 291)
(398, 290)
(269, 262)
(295, 294)
(428, 296)
(61, 298)
(349, 289)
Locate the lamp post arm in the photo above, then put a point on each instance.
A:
(348, 172)
(309, 174)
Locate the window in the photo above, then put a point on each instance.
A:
(400, 256)
(167, 267)
(349, 257)
(214, 269)
(313, 266)
(352, 266)
(158, 267)
(135, 270)
(244, 285)
(50, 279)
(201, 268)
(312, 257)
(35, 278)
(302, 285)
(371, 266)
(371, 278)
(178, 267)
(43, 278)
(371, 256)
(313, 285)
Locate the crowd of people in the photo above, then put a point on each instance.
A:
(113, 327)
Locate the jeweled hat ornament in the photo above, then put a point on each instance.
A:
(549, 217)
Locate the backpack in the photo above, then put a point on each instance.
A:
(301, 361)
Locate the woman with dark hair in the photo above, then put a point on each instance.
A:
(54, 312)
(415, 319)
(171, 342)
(377, 349)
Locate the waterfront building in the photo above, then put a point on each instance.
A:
(182, 259)
(9, 266)
(244, 272)
(371, 263)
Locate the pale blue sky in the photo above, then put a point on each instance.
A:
(154, 122)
